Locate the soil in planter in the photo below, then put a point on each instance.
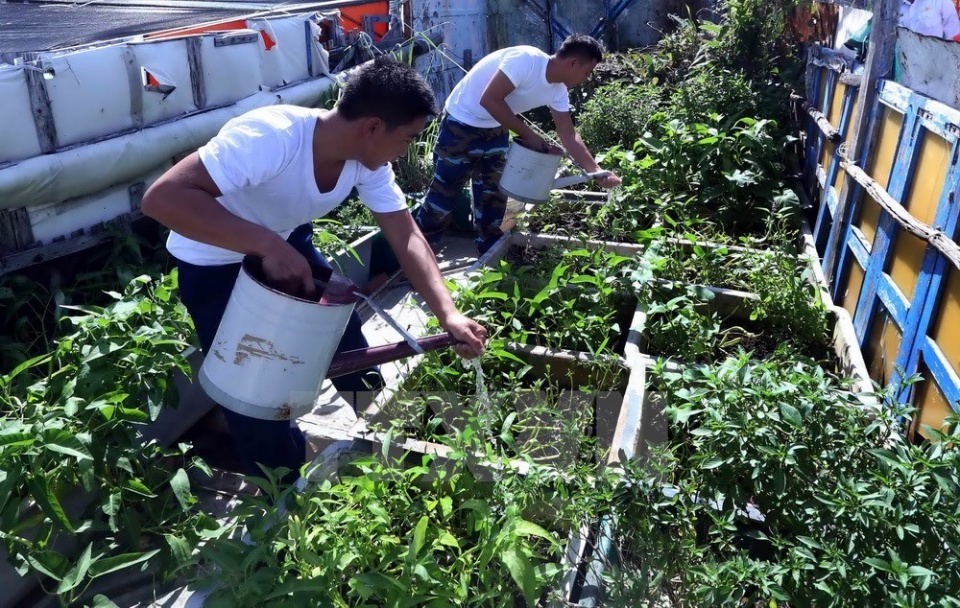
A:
(567, 218)
(738, 335)
(549, 413)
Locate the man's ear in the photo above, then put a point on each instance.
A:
(371, 125)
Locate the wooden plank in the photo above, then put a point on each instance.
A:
(196, 72)
(828, 130)
(935, 238)
(136, 87)
(879, 64)
(15, 230)
(42, 113)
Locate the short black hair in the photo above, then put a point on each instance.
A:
(582, 47)
(389, 90)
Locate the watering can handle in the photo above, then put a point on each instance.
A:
(364, 358)
(572, 180)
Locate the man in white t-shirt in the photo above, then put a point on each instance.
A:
(480, 113)
(256, 188)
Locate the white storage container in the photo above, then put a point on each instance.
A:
(164, 68)
(89, 93)
(289, 49)
(230, 64)
(19, 139)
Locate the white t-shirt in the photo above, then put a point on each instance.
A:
(262, 162)
(526, 67)
(931, 18)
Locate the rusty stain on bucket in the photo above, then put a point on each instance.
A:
(252, 346)
(283, 413)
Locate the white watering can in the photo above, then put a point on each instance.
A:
(273, 351)
(529, 176)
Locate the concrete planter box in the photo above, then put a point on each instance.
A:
(545, 241)
(730, 303)
(626, 426)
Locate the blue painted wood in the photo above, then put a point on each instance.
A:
(903, 166)
(830, 197)
(928, 293)
(848, 231)
(893, 301)
(946, 378)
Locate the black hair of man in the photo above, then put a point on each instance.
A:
(581, 46)
(389, 90)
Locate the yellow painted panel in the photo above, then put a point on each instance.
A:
(826, 155)
(904, 265)
(869, 218)
(886, 148)
(833, 117)
(946, 325)
(836, 104)
(883, 343)
(851, 294)
(931, 403)
(924, 195)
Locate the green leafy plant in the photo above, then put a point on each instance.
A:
(572, 299)
(74, 463)
(390, 535)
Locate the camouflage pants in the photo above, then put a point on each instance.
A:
(463, 153)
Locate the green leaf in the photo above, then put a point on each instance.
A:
(49, 503)
(76, 574)
(920, 571)
(791, 415)
(119, 562)
(181, 489)
(16, 439)
(448, 540)
(138, 487)
(179, 547)
(522, 573)
(526, 528)
(111, 508)
(102, 601)
(712, 463)
(419, 535)
(64, 442)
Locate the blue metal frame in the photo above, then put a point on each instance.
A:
(912, 316)
(829, 194)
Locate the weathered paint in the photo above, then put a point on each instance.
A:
(514, 22)
(851, 293)
(880, 351)
(929, 65)
(932, 404)
(944, 327)
(464, 27)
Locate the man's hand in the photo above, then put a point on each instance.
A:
(609, 180)
(536, 143)
(471, 336)
(288, 270)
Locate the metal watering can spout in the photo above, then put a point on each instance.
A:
(356, 360)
